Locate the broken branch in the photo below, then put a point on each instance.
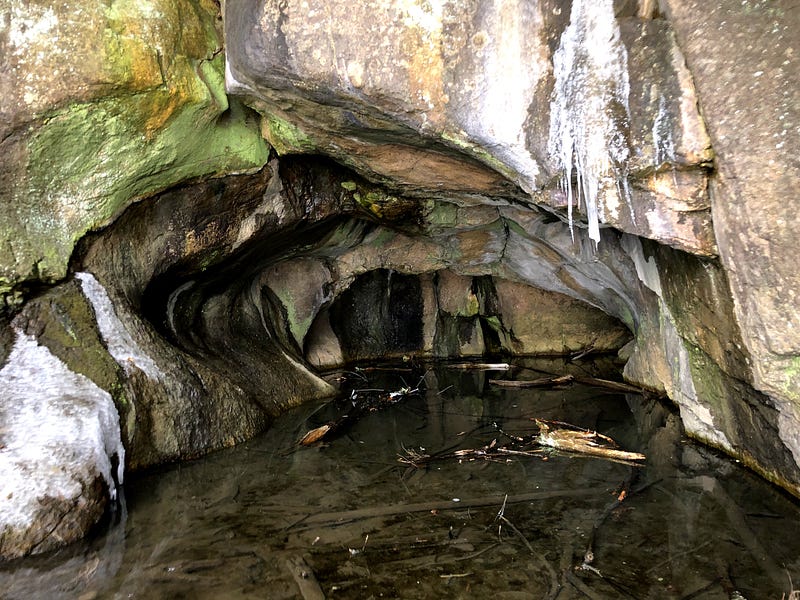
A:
(541, 382)
(584, 442)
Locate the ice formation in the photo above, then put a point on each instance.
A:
(59, 430)
(589, 110)
(118, 340)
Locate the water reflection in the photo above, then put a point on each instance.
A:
(245, 523)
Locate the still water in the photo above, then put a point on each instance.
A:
(347, 519)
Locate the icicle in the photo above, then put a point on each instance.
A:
(591, 73)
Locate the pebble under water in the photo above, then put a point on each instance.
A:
(346, 519)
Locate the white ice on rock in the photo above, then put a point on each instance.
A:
(589, 110)
(118, 339)
(57, 430)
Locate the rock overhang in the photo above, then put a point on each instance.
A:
(428, 89)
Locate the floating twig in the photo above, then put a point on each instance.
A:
(541, 382)
(480, 366)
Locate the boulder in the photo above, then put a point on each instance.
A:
(61, 456)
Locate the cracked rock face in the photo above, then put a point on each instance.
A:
(189, 235)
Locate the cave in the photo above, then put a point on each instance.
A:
(231, 214)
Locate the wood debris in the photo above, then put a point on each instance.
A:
(541, 382)
(555, 435)
(560, 380)
(360, 403)
(583, 442)
(315, 435)
(476, 366)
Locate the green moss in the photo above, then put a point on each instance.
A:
(384, 236)
(473, 307)
(350, 186)
(66, 326)
(286, 137)
(494, 323)
(370, 202)
(442, 215)
(297, 326)
(482, 155)
(790, 380)
(88, 161)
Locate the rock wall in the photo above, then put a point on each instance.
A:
(187, 233)
(755, 129)
(100, 105)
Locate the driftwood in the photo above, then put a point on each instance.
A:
(583, 442)
(567, 379)
(566, 438)
(387, 369)
(480, 366)
(541, 382)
